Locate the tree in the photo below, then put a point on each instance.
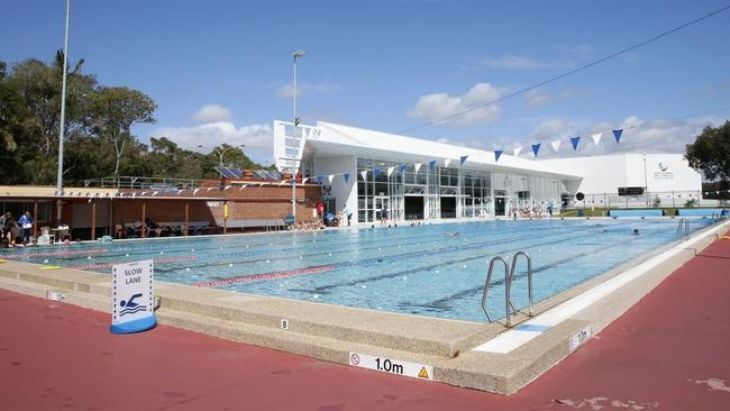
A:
(115, 110)
(710, 153)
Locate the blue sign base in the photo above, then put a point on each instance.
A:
(134, 326)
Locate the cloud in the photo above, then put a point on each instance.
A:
(287, 91)
(258, 138)
(537, 98)
(438, 107)
(211, 113)
(511, 61)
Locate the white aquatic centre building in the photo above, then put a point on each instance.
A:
(365, 171)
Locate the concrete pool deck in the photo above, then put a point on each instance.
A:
(332, 332)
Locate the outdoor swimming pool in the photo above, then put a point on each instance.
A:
(433, 270)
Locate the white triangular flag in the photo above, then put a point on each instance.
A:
(390, 170)
(516, 151)
(417, 167)
(364, 175)
(304, 180)
(282, 183)
(597, 137)
(242, 187)
(196, 191)
(555, 144)
(447, 162)
(226, 188)
(330, 178)
(155, 193)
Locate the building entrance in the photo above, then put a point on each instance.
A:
(414, 208)
(448, 207)
(499, 206)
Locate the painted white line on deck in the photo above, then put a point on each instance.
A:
(525, 332)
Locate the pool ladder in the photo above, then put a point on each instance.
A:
(509, 272)
(683, 224)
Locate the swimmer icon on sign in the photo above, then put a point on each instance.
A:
(354, 359)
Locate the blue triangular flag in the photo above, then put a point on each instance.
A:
(347, 177)
(376, 173)
(497, 154)
(320, 179)
(535, 149)
(574, 141)
(463, 159)
(431, 164)
(403, 168)
(617, 134)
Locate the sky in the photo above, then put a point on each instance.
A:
(221, 71)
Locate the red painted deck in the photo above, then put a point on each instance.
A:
(669, 352)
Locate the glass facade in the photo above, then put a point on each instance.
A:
(408, 192)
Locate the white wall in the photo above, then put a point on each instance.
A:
(605, 174)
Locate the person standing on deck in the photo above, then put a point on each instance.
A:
(26, 224)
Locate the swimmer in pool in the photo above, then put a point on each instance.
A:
(636, 231)
(454, 234)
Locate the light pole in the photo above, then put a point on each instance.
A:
(61, 131)
(646, 184)
(222, 152)
(295, 55)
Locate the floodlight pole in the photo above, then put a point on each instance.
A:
(646, 184)
(61, 128)
(296, 54)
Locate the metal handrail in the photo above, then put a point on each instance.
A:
(507, 285)
(683, 224)
(529, 277)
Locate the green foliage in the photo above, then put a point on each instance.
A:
(98, 130)
(690, 203)
(710, 153)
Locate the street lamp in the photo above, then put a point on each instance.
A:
(61, 131)
(296, 54)
(222, 152)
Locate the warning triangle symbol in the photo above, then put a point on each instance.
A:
(423, 373)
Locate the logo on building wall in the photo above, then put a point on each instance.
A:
(663, 174)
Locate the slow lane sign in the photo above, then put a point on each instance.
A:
(132, 297)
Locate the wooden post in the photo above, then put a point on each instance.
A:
(144, 217)
(35, 221)
(93, 220)
(187, 218)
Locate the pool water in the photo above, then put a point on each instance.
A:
(433, 270)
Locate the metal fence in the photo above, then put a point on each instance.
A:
(659, 199)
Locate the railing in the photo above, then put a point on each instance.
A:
(509, 272)
(683, 224)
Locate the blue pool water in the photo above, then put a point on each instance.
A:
(434, 270)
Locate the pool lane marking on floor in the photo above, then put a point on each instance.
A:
(529, 330)
(347, 264)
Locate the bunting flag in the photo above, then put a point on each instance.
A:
(155, 193)
(555, 144)
(431, 164)
(390, 170)
(376, 173)
(196, 191)
(417, 167)
(597, 137)
(141, 195)
(463, 159)
(364, 175)
(516, 151)
(346, 176)
(304, 180)
(617, 134)
(226, 188)
(403, 168)
(210, 189)
(330, 178)
(282, 182)
(135, 194)
(497, 154)
(179, 192)
(242, 187)
(574, 141)
(447, 162)
(320, 179)
(535, 149)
